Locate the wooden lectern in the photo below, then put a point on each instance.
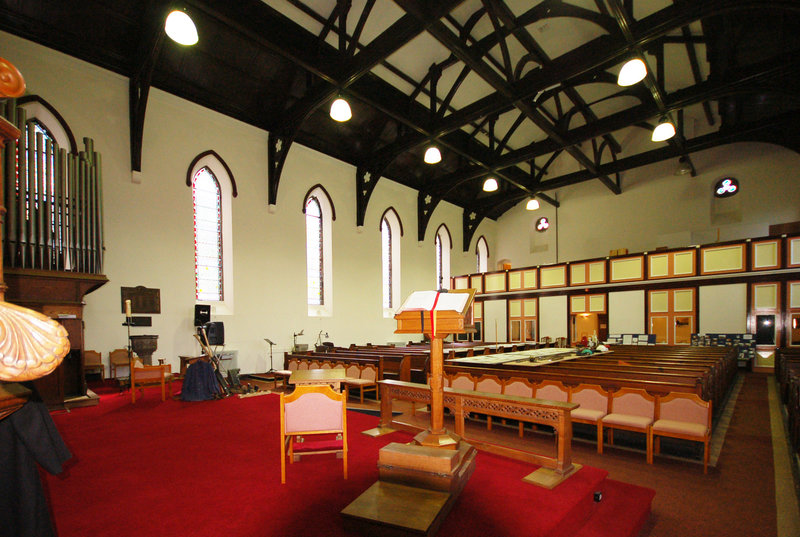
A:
(437, 314)
(424, 478)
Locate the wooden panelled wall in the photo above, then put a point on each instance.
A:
(769, 265)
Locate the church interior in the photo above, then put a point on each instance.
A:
(468, 229)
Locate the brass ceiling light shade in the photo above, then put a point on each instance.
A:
(432, 155)
(532, 204)
(340, 110)
(632, 72)
(663, 131)
(180, 28)
(490, 185)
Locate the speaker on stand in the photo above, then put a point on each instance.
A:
(202, 314)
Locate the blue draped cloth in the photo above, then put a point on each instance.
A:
(200, 382)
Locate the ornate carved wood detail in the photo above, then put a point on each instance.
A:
(426, 203)
(470, 220)
(278, 148)
(366, 179)
(31, 344)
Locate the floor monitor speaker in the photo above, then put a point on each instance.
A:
(216, 333)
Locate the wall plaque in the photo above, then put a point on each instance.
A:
(143, 300)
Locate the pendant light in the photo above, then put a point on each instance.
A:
(180, 28)
(632, 72)
(490, 185)
(433, 155)
(663, 131)
(340, 110)
(532, 204)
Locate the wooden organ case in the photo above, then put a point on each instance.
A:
(52, 235)
(58, 295)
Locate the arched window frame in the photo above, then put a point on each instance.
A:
(328, 211)
(390, 290)
(443, 245)
(43, 112)
(482, 254)
(227, 185)
(56, 128)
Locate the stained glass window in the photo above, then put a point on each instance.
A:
(207, 236)
(386, 262)
(314, 261)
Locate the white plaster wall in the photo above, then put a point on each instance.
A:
(148, 226)
(553, 316)
(495, 328)
(657, 208)
(723, 309)
(626, 312)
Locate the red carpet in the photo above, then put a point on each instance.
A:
(212, 468)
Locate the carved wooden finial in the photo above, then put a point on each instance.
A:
(31, 344)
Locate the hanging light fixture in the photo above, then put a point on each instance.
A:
(433, 155)
(683, 167)
(532, 204)
(180, 28)
(663, 131)
(340, 110)
(632, 72)
(490, 185)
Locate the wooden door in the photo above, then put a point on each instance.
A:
(672, 315)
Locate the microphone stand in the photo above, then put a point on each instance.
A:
(270, 343)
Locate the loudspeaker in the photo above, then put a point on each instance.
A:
(233, 378)
(215, 332)
(202, 314)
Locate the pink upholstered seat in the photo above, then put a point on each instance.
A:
(685, 416)
(364, 378)
(489, 384)
(594, 405)
(462, 381)
(630, 409)
(308, 411)
(521, 388)
(552, 390)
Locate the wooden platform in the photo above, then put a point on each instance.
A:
(418, 487)
(392, 509)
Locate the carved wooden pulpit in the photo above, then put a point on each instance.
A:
(438, 314)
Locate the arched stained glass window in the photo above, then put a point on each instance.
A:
(208, 267)
(482, 255)
(386, 262)
(314, 252)
(443, 246)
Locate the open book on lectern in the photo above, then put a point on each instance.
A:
(450, 307)
(457, 300)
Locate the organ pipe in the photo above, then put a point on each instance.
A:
(54, 200)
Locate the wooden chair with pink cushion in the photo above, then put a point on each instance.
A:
(685, 416)
(309, 411)
(365, 378)
(630, 409)
(519, 387)
(489, 384)
(150, 375)
(594, 402)
(551, 390)
(462, 381)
